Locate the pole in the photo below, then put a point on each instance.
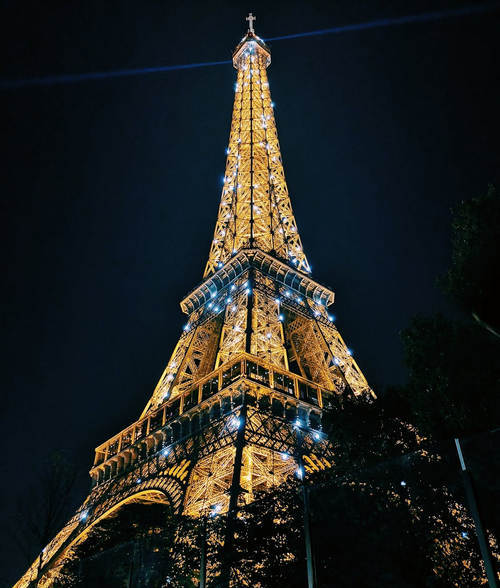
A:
(481, 535)
(234, 493)
(307, 537)
(203, 555)
(311, 582)
(131, 567)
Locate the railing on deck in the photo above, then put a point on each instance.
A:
(244, 365)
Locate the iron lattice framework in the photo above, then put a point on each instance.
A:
(238, 407)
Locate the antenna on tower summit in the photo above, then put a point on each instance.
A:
(250, 19)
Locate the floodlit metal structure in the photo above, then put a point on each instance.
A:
(239, 405)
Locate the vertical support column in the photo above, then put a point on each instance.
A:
(234, 493)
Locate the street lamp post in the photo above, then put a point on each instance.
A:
(311, 581)
(481, 535)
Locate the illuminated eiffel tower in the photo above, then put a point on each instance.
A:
(239, 405)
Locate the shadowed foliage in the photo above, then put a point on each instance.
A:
(44, 507)
(453, 376)
(453, 385)
(390, 513)
(472, 279)
(141, 544)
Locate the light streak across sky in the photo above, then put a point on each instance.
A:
(399, 20)
(119, 73)
(362, 26)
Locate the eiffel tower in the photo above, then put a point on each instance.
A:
(239, 406)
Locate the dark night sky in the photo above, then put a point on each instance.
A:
(111, 188)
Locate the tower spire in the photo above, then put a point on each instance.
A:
(255, 211)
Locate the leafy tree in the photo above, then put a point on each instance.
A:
(473, 279)
(389, 513)
(269, 547)
(45, 506)
(453, 376)
(140, 545)
(453, 369)
(396, 524)
(364, 433)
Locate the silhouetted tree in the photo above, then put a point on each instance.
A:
(453, 383)
(44, 508)
(269, 545)
(140, 545)
(389, 513)
(473, 279)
